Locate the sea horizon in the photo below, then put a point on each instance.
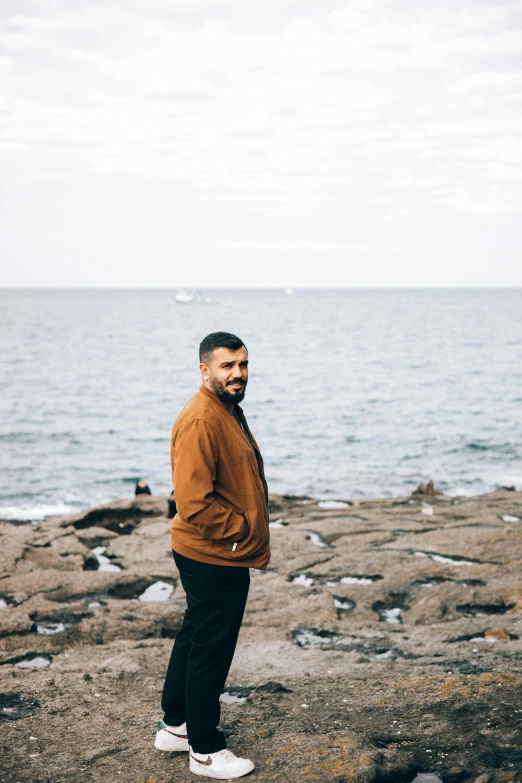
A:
(353, 393)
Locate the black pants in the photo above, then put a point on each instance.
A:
(203, 649)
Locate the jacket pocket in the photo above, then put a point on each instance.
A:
(251, 545)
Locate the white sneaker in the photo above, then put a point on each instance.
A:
(221, 765)
(171, 737)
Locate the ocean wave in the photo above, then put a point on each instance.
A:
(36, 513)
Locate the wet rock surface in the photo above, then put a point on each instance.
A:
(383, 644)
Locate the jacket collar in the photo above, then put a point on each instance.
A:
(215, 399)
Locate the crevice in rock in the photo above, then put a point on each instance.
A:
(481, 610)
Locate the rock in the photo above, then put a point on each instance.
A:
(100, 753)
(95, 536)
(271, 686)
(16, 623)
(91, 562)
(120, 516)
(426, 490)
(432, 694)
(455, 775)
(501, 634)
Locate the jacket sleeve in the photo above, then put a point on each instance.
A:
(194, 457)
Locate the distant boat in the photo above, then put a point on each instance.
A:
(289, 291)
(185, 297)
(193, 297)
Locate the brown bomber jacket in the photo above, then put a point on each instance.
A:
(220, 489)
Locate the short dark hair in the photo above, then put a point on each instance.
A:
(219, 340)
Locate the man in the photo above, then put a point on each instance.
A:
(219, 532)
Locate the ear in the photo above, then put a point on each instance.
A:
(203, 368)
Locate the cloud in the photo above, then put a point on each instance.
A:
(283, 110)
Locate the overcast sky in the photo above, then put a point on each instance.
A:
(271, 143)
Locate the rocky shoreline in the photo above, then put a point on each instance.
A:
(382, 642)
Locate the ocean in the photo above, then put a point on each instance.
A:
(352, 393)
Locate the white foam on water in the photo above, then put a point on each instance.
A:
(443, 559)
(48, 629)
(426, 777)
(38, 662)
(229, 698)
(30, 513)
(427, 509)
(392, 616)
(332, 504)
(356, 580)
(302, 579)
(93, 604)
(159, 591)
(104, 562)
(277, 523)
(385, 655)
(509, 518)
(2, 603)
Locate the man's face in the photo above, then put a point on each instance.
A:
(227, 374)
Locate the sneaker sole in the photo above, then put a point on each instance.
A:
(205, 772)
(165, 744)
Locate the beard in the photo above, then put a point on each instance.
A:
(225, 395)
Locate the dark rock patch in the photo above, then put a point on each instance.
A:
(120, 516)
(316, 638)
(65, 596)
(63, 617)
(480, 610)
(390, 609)
(15, 706)
(432, 581)
(133, 587)
(271, 686)
(463, 666)
(308, 578)
(91, 562)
